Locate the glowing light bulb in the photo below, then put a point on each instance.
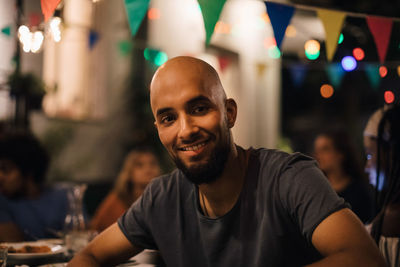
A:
(349, 63)
(358, 53)
(153, 13)
(341, 38)
(389, 97)
(326, 90)
(383, 71)
(312, 49)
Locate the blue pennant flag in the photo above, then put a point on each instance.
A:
(93, 38)
(280, 16)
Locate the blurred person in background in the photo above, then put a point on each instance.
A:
(382, 146)
(29, 209)
(140, 167)
(337, 159)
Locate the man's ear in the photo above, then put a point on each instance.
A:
(231, 111)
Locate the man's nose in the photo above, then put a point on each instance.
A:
(187, 128)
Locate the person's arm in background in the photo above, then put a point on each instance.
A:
(343, 241)
(107, 249)
(9, 232)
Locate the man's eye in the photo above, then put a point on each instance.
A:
(167, 119)
(199, 109)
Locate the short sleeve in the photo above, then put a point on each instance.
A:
(307, 195)
(134, 223)
(5, 215)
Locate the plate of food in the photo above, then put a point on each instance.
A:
(29, 250)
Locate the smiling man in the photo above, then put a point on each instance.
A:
(225, 205)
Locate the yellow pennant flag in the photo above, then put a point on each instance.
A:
(333, 22)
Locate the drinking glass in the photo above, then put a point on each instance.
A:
(3, 256)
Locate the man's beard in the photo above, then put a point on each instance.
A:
(209, 172)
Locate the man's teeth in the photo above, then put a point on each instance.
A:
(193, 148)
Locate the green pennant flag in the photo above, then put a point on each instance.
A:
(136, 11)
(6, 30)
(211, 9)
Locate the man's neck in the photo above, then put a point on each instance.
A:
(219, 197)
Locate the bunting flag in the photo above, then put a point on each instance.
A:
(223, 63)
(381, 28)
(125, 47)
(298, 73)
(93, 38)
(136, 11)
(280, 16)
(372, 72)
(261, 67)
(48, 7)
(335, 74)
(211, 10)
(333, 22)
(6, 30)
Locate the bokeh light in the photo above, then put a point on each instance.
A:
(274, 52)
(383, 71)
(358, 53)
(153, 13)
(349, 63)
(398, 70)
(389, 97)
(291, 31)
(155, 56)
(341, 38)
(326, 90)
(222, 28)
(312, 49)
(269, 42)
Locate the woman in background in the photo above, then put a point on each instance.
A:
(382, 145)
(140, 167)
(337, 159)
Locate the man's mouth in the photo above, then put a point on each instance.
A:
(193, 147)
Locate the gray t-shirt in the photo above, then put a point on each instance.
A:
(283, 200)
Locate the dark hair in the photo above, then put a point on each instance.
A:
(342, 143)
(25, 151)
(388, 160)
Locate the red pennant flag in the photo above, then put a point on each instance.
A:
(48, 7)
(381, 28)
(223, 63)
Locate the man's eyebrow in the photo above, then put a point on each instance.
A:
(163, 110)
(199, 98)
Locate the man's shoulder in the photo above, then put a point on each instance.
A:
(278, 158)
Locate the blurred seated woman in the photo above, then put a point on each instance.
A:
(382, 146)
(140, 166)
(336, 157)
(29, 210)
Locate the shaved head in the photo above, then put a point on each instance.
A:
(182, 70)
(193, 117)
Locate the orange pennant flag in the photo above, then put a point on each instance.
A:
(333, 22)
(48, 7)
(381, 29)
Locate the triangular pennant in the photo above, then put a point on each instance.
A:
(280, 16)
(93, 38)
(125, 47)
(333, 22)
(6, 30)
(335, 74)
(372, 72)
(381, 28)
(48, 7)
(34, 19)
(211, 10)
(136, 11)
(223, 63)
(261, 67)
(298, 73)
